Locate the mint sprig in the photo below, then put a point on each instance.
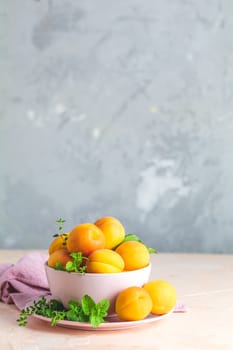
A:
(76, 265)
(96, 312)
(85, 311)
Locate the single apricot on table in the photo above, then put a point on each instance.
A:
(133, 304)
(134, 254)
(105, 261)
(113, 230)
(58, 243)
(163, 296)
(61, 256)
(85, 238)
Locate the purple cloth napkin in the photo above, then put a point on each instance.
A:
(25, 281)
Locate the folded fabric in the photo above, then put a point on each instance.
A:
(25, 281)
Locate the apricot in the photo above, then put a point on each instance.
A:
(113, 230)
(58, 243)
(105, 261)
(61, 256)
(133, 304)
(134, 254)
(163, 296)
(85, 238)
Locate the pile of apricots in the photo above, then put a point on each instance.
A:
(102, 242)
(104, 250)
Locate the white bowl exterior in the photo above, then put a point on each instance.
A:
(65, 286)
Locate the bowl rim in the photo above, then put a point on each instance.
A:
(94, 274)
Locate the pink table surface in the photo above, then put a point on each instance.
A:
(203, 282)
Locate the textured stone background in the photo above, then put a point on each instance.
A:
(119, 108)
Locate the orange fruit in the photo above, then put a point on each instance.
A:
(163, 296)
(133, 304)
(58, 243)
(134, 254)
(85, 238)
(105, 261)
(113, 230)
(61, 256)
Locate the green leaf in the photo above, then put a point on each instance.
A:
(132, 237)
(70, 266)
(59, 266)
(75, 312)
(95, 318)
(72, 315)
(87, 304)
(102, 307)
(74, 305)
(55, 304)
(152, 250)
(83, 317)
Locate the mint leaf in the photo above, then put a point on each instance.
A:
(58, 266)
(95, 318)
(131, 237)
(55, 305)
(152, 250)
(70, 266)
(74, 305)
(87, 304)
(72, 315)
(83, 317)
(102, 307)
(75, 312)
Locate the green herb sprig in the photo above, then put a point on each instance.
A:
(85, 311)
(75, 265)
(60, 228)
(64, 236)
(52, 309)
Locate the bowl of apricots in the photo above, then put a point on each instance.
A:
(96, 259)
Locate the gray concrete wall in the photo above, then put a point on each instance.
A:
(119, 108)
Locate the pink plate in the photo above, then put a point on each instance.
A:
(112, 323)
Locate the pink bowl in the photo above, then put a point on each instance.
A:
(65, 286)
